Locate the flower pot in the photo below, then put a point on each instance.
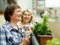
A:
(43, 38)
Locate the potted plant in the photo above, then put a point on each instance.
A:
(42, 31)
(53, 41)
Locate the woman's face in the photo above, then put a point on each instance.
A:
(17, 15)
(26, 17)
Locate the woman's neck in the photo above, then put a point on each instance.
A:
(14, 24)
(23, 23)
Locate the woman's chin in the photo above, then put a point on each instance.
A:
(26, 21)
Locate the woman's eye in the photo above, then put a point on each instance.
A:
(28, 15)
(25, 14)
(19, 11)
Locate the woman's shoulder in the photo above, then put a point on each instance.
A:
(32, 24)
(29, 24)
(2, 28)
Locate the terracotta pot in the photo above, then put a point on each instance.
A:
(43, 38)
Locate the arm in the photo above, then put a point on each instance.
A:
(25, 41)
(34, 40)
(2, 37)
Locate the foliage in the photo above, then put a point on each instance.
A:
(54, 41)
(42, 28)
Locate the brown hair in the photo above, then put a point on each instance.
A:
(30, 14)
(9, 11)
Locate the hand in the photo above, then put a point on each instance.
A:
(37, 22)
(25, 41)
(28, 33)
(27, 28)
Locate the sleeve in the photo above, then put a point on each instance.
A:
(11, 42)
(32, 25)
(9, 38)
(34, 40)
(2, 37)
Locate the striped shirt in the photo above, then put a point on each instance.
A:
(10, 35)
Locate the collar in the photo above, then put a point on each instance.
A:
(8, 26)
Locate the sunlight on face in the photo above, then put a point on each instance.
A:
(17, 15)
(26, 17)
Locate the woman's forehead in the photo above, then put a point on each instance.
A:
(27, 13)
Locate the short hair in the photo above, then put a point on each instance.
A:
(9, 10)
(30, 14)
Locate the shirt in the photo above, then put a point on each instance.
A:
(31, 24)
(9, 35)
(26, 32)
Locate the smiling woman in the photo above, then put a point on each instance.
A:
(10, 33)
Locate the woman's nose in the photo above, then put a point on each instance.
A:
(26, 15)
(20, 13)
